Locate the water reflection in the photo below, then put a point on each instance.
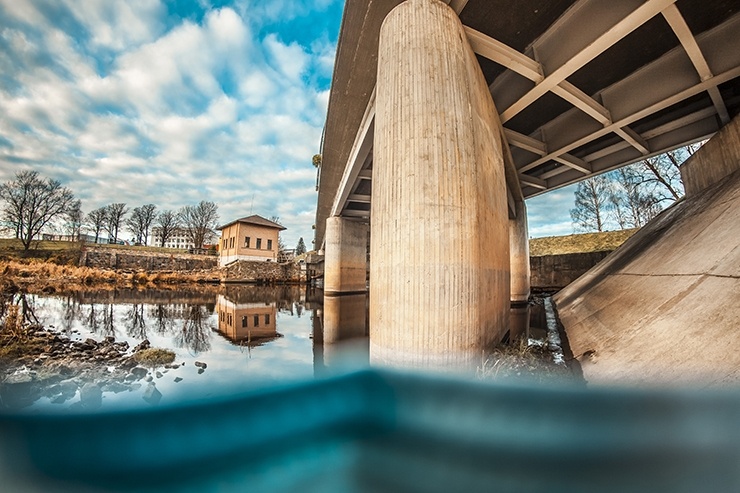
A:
(232, 336)
(248, 323)
(345, 331)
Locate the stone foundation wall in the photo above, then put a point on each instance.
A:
(557, 271)
(265, 272)
(109, 258)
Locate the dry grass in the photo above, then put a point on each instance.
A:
(45, 276)
(153, 357)
(579, 243)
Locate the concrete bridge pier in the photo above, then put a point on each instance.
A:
(345, 261)
(439, 271)
(519, 252)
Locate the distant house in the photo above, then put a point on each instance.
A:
(178, 239)
(249, 238)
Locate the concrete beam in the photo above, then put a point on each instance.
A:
(359, 153)
(634, 20)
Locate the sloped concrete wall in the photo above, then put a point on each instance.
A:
(663, 308)
(717, 159)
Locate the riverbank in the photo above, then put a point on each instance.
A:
(49, 277)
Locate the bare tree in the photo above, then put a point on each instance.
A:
(199, 222)
(632, 197)
(74, 220)
(591, 203)
(167, 223)
(663, 172)
(114, 214)
(148, 214)
(97, 220)
(140, 222)
(31, 203)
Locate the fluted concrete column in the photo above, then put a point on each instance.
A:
(345, 261)
(439, 263)
(519, 252)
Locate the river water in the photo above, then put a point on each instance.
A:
(241, 337)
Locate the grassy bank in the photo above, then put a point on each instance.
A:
(47, 276)
(579, 243)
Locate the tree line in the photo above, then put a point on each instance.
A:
(631, 196)
(33, 203)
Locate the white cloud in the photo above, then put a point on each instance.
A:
(198, 110)
(119, 25)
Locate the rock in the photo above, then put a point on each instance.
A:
(138, 372)
(142, 345)
(149, 378)
(158, 374)
(152, 395)
(91, 342)
(91, 396)
(178, 379)
(110, 339)
(200, 370)
(200, 364)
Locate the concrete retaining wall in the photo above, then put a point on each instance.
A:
(109, 258)
(717, 159)
(550, 272)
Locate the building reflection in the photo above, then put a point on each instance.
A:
(247, 323)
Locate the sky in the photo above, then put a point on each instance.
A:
(174, 102)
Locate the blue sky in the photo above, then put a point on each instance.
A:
(174, 102)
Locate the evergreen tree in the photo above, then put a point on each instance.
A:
(300, 248)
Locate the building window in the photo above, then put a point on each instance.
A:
(244, 321)
(231, 242)
(267, 319)
(259, 243)
(246, 241)
(269, 244)
(256, 320)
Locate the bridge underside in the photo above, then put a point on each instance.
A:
(581, 88)
(444, 118)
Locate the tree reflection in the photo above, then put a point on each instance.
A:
(195, 335)
(135, 322)
(71, 311)
(109, 323)
(92, 320)
(164, 318)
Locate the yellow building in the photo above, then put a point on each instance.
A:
(249, 238)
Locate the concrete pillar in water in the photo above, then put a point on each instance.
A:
(519, 252)
(439, 270)
(345, 261)
(345, 331)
